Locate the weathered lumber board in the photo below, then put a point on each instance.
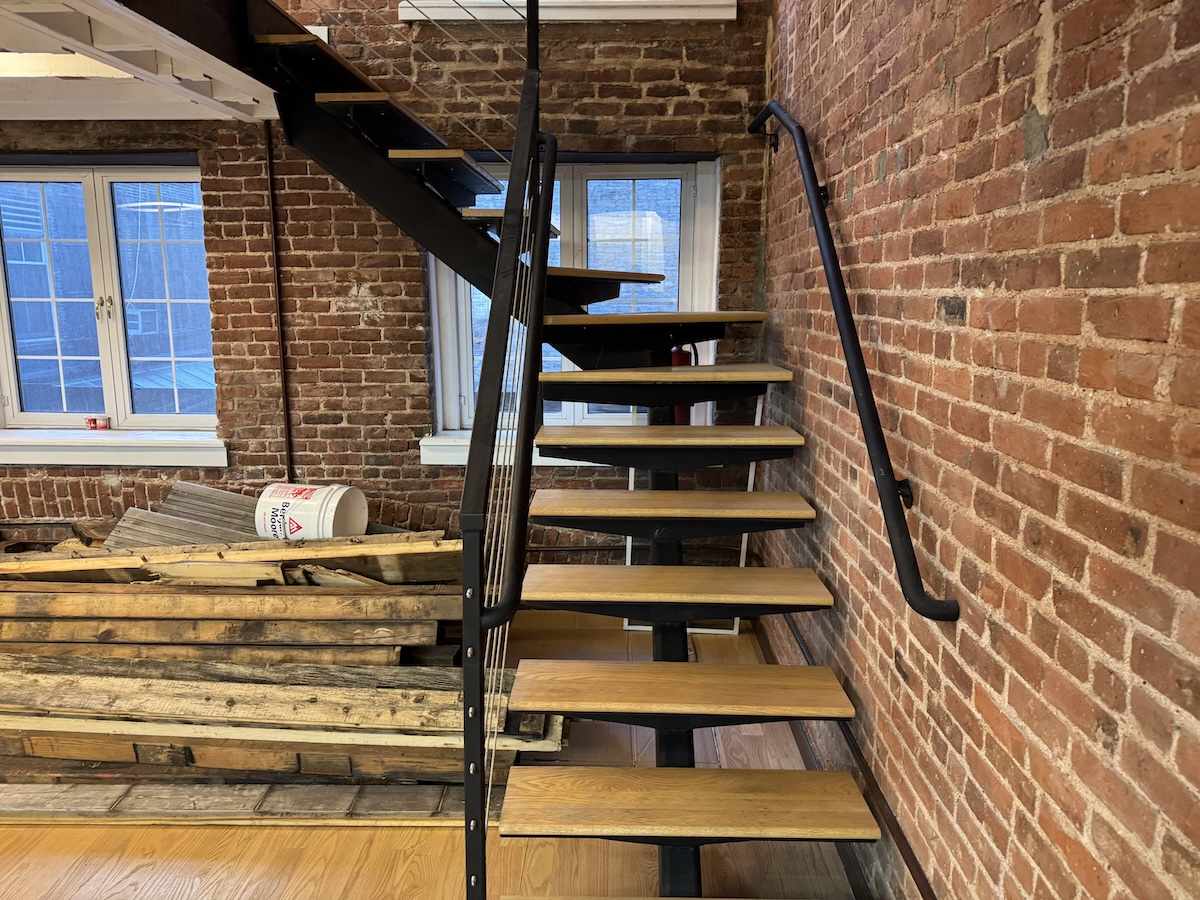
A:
(216, 631)
(426, 678)
(210, 506)
(396, 554)
(158, 601)
(322, 576)
(143, 528)
(214, 804)
(71, 758)
(346, 655)
(14, 726)
(222, 574)
(297, 706)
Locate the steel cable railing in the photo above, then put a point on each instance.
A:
(343, 17)
(892, 493)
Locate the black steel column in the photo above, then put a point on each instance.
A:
(678, 867)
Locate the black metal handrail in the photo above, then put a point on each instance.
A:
(893, 494)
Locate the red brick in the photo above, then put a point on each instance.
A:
(1131, 317)
(1143, 152)
(1125, 589)
(1092, 20)
(1129, 427)
(1056, 547)
(1091, 620)
(1107, 267)
(1110, 525)
(1175, 262)
(1172, 208)
(1050, 315)
(1163, 493)
(1127, 863)
(1021, 442)
(1163, 89)
(1077, 220)
(1176, 560)
(1185, 386)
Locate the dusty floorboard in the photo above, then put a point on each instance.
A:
(284, 863)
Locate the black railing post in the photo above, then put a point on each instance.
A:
(890, 500)
(533, 48)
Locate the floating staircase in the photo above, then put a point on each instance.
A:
(675, 806)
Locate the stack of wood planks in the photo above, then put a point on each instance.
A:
(237, 661)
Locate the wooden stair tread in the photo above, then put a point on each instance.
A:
(668, 436)
(674, 584)
(591, 504)
(493, 217)
(473, 176)
(605, 275)
(753, 373)
(668, 318)
(287, 40)
(574, 686)
(706, 804)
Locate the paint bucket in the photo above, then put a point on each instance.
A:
(297, 512)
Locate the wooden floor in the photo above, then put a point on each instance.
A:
(173, 863)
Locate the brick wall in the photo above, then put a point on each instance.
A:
(1017, 198)
(356, 318)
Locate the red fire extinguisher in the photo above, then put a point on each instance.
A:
(683, 411)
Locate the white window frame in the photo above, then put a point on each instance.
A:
(450, 295)
(134, 438)
(106, 285)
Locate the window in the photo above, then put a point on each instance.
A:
(642, 218)
(105, 300)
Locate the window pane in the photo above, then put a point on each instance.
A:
(481, 305)
(187, 277)
(21, 209)
(48, 272)
(64, 210)
(197, 387)
(40, 386)
(634, 225)
(160, 239)
(77, 329)
(72, 269)
(147, 330)
(141, 265)
(81, 378)
(191, 330)
(33, 327)
(153, 387)
(183, 216)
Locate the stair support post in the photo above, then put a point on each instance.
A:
(678, 867)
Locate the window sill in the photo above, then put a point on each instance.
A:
(79, 447)
(451, 450)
